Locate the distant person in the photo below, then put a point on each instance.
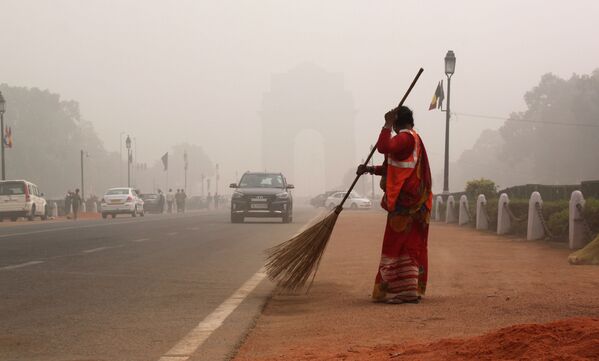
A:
(68, 201)
(215, 200)
(178, 200)
(183, 200)
(76, 202)
(161, 201)
(170, 199)
(209, 201)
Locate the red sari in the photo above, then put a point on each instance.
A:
(403, 269)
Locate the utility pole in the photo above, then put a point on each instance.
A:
(2, 109)
(128, 144)
(82, 183)
(216, 180)
(185, 167)
(121, 157)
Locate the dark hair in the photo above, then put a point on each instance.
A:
(404, 117)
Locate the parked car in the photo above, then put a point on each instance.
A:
(122, 201)
(152, 203)
(319, 200)
(20, 198)
(354, 201)
(261, 194)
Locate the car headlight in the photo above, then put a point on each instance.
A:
(237, 195)
(282, 195)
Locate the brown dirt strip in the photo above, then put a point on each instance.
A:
(479, 282)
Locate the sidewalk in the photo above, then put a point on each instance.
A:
(478, 282)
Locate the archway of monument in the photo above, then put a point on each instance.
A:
(308, 97)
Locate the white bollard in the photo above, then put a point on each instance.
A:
(482, 221)
(576, 230)
(504, 222)
(450, 214)
(464, 214)
(83, 210)
(438, 203)
(535, 228)
(54, 210)
(95, 207)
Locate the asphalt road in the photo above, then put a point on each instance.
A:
(129, 289)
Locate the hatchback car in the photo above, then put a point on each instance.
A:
(122, 201)
(262, 195)
(20, 198)
(152, 203)
(354, 201)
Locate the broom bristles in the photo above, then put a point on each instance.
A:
(291, 263)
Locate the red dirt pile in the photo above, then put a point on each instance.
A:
(574, 339)
(570, 339)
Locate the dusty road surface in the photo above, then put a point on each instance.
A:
(132, 288)
(478, 282)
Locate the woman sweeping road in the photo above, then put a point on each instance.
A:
(406, 181)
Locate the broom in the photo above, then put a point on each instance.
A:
(291, 263)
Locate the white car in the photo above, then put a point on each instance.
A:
(121, 201)
(20, 198)
(354, 201)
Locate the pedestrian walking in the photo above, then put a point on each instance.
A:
(76, 202)
(215, 200)
(178, 200)
(209, 200)
(406, 182)
(183, 200)
(68, 200)
(170, 199)
(161, 201)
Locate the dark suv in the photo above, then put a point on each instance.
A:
(261, 194)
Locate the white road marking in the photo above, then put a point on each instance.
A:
(103, 224)
(140, 240)
(193, 228)
(30, 263)
(99, 249)
(172, 233)
(196, 337)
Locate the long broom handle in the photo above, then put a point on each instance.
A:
(351, 188)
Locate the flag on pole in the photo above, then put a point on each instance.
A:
(185, 159)
(435, 99)
(165, 161)
(8, 137)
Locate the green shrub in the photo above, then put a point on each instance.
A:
(591, 214)
(519, 208)
(558, 224)
(481, 186)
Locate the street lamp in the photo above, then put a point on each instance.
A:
(83, 154)
(449, 70)
(128, 144)
(2, 110)
(121, 157)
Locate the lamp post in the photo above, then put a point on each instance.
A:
(2, 109)
(449, 70)
(185, 166)
(128, 144)
(121, 157)
(83, 154)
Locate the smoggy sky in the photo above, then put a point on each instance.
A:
(196, 71)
